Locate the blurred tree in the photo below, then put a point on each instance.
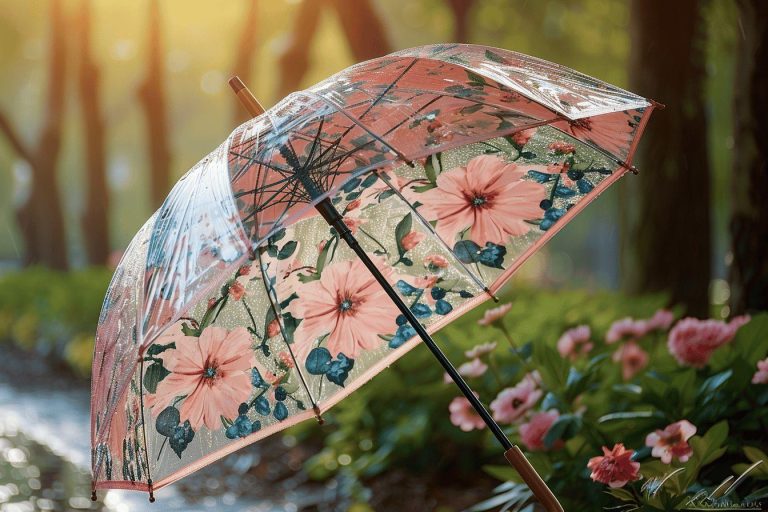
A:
(95, 218)
(749, 217)
(294, 62)
(669, 238)
(460, 9)
(363, 28)
(40, 217)
(152, 95)
(244, 56)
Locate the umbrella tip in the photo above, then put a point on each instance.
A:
(236, 84)
(93, 495)
(320, 420)
(488, 291)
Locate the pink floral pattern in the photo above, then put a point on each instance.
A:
(672, 442)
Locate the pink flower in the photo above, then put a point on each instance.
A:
(464, 416)
(561, 147)
(321, 245)
(615, 467)
(625, 328)
(473, 368)
(611, 132)
(424, 281)
(244, 270)
(285, 359)
(236, 290)
(435, 262)
(412, 239)
(632, 358)
(347, 304)
(492, 316)
(480, 350)
(522, 137)
(352, 205)
(273, 329)
(532, 433)
(660, 321)
(761, 375)
(212, 372)
(672, 442)
(575, 342)
(692, 342)
(489, 197)
(353, 223)
(512, 403)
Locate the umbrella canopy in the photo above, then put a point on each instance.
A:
(237, 312)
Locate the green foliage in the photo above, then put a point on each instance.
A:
(53, 313)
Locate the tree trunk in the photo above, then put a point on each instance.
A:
(40, 217)
(152, 96)
(365, 32)
(749, 192)
(669, 240)
(246, 50)
(460, 9)
(294, 62)
(95, 219)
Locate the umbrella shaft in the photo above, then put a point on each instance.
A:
(334, 218)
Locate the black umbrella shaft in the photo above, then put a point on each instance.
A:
(334, 218)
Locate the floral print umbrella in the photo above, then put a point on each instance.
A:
(237, 311)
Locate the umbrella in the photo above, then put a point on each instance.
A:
(328, 236)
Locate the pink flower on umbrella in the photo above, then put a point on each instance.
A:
(212, 372)
(611, 132)
(672, 442)
(494, 316)
(532, 433)
(489, 197)
(615, 467)
(464, 416)
(412, 239)
(512, 403)
(575, 342)
(560, 147)
(435, 262)
(692, 341)
(632, 359)
(236, 290)
(273, 329)
(353, 223)
(522, 137)
(347, 304)
(761, 375)
(480, 350)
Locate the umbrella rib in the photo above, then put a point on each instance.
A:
(271, 295)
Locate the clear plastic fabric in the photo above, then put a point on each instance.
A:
(237, 312)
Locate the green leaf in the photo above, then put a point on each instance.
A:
(322, 257)
(188, 330)
(630, 415)
(475, 79)
(503, 473)
(433, 167)
(402, 229)
(158, 349)
(707, 390)
(287, 250)
(553, 368)
(167, 420)
(565, 427)
(154, 374)
(495, 57)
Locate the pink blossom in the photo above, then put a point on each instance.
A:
(615, 467)
(633, 359)
(692, 341)
(532, 433)
(353, 223)
(561, 147)
(352, 205)
(321, 245)
(625, 328)
(672, 442)
(522, 137)
(492, 316)
(424, 281)
(464, 416)
(286, 359)
(212, 372)
(273, 329)
(348, 305)
(244, 270)
(660, 321)
(473, 368)
(412, 239)
(236, 290)
(761, 375)
(575, 342)
(480, 350)
(489, 196)
(512, 403)
(435, 262)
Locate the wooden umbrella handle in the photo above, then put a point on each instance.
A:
(532, 479)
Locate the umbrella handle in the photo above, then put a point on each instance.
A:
(513, 454)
